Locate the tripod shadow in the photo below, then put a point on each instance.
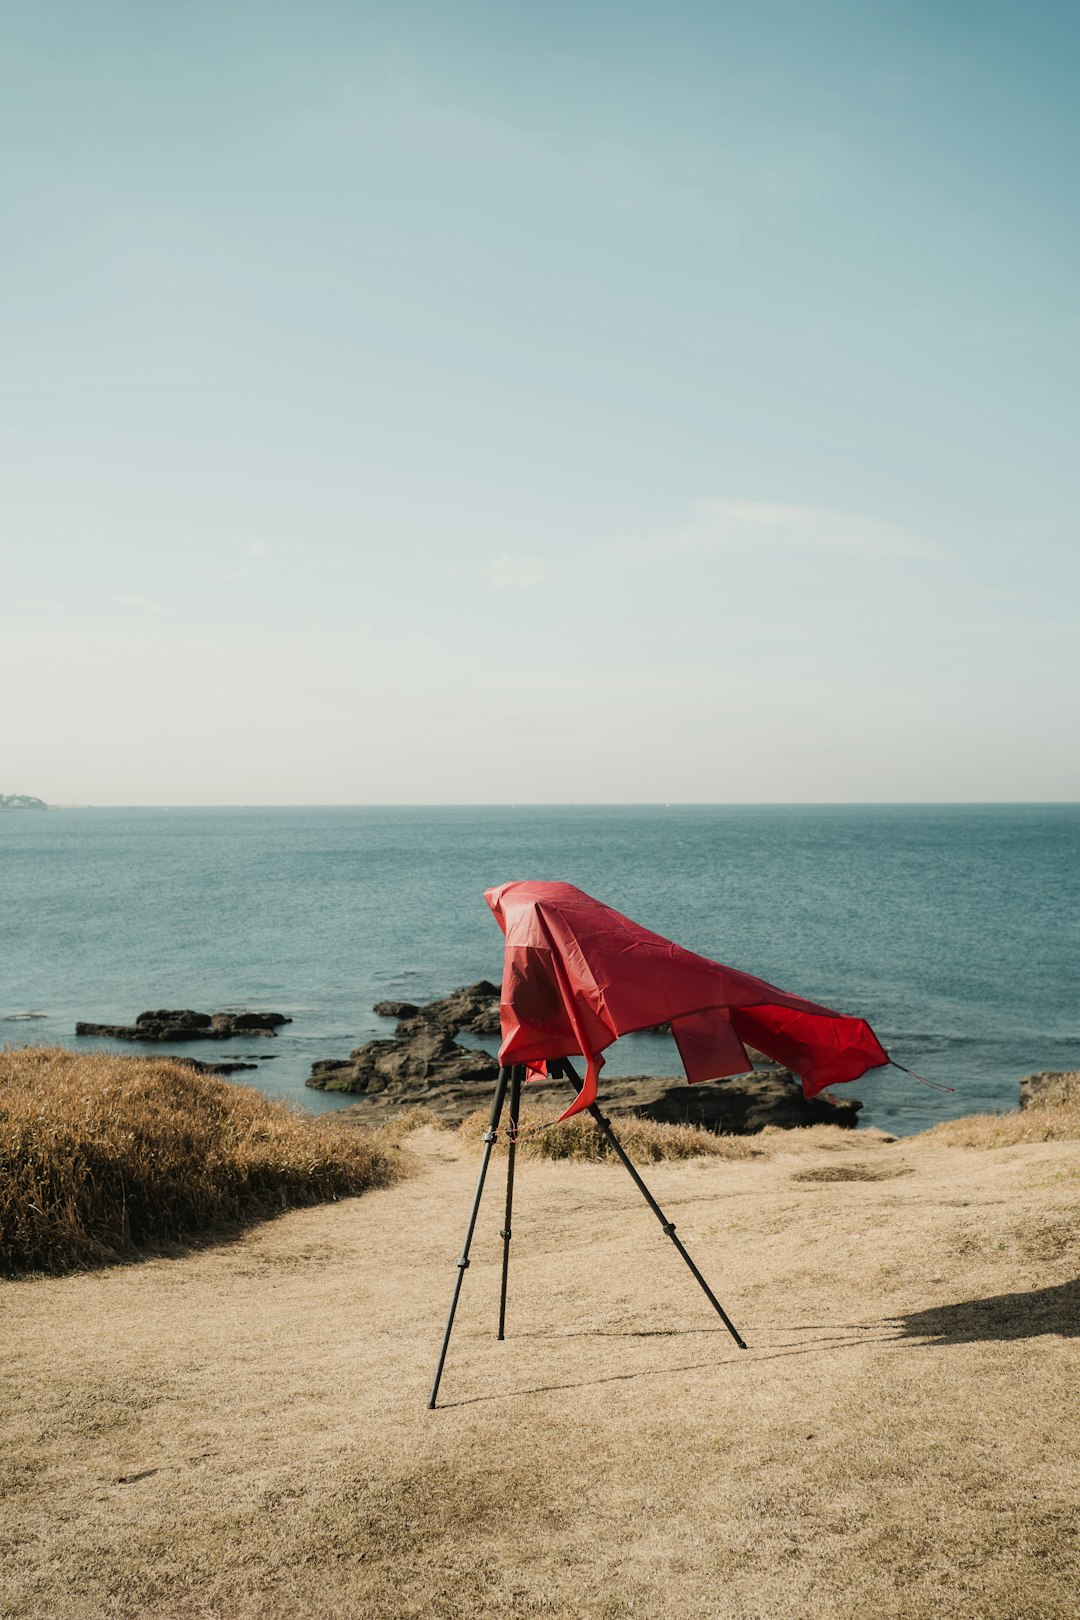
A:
(769, 1350)
(1003, 1316)
(998, 1318)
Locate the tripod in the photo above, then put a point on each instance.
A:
(511, 1079)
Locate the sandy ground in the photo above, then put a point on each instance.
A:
(243, 1431)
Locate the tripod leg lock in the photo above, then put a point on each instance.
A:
(669, 1228)
(490, 1136)
(462, 1264)
(505, 1234)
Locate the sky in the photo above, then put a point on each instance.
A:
(483, 403)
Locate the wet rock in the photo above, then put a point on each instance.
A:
(474, 1008)
(395, 1009)
(389, 1081)
(418, 1065)
(183, 1024)
(249, 1023)
(175, 1017)
(740, 1106)
(422, 1066)
(329, 1066)
(212, 1068)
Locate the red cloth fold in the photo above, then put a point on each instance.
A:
(577, 975)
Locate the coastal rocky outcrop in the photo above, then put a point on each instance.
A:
(423, 1063)
(740, 1106)
(424, 1066)
(182, 1024)
(209, 1068)
(474, 1008)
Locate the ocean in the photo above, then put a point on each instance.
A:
(954, 929)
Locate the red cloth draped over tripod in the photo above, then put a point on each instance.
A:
(577, 975)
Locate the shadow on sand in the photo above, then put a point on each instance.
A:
(1000, 1317)
(1003, 1316)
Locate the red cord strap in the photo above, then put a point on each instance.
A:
(921, 1079)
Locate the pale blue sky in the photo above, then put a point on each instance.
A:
(440, 403)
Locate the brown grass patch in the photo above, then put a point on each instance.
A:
(1043, 1124)
(646, 1141)
(852, 1172)
(1052, 1115)
(242, 1433)
(1063, 1091)
(103, 1156)
(402, 1124)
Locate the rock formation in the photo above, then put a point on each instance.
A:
(423, 1066)
(740, 1106)
(168, 1024)
(474, 1008)
(207, 1068)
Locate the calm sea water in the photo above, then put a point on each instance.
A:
(955, 930)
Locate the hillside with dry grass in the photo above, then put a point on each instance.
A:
(104, 1157)
(241, 1433)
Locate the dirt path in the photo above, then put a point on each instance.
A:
(243, 1432)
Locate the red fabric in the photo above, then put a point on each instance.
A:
(577, 975)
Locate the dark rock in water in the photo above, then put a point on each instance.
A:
(147, 1032)
(182, 1024)
(742, 1105)
(474, 1008)
(430, 1054)
(419, 1066)
(177, 1018)
(423, 1066)
(1049, 1086)
(249, 1023)
(212, 1068)
(395, 1009)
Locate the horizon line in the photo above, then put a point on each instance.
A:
(581, 804)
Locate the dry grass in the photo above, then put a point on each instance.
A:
(644, 1140)
(399, 1126)
(242, 1433)
(103, 1157)
(1053, 1115)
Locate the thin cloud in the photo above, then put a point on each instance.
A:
(142, 603)
(509, 573)
(722, 525)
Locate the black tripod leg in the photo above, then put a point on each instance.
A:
(668, 1226)
(490, 1136)
(512, 1134)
